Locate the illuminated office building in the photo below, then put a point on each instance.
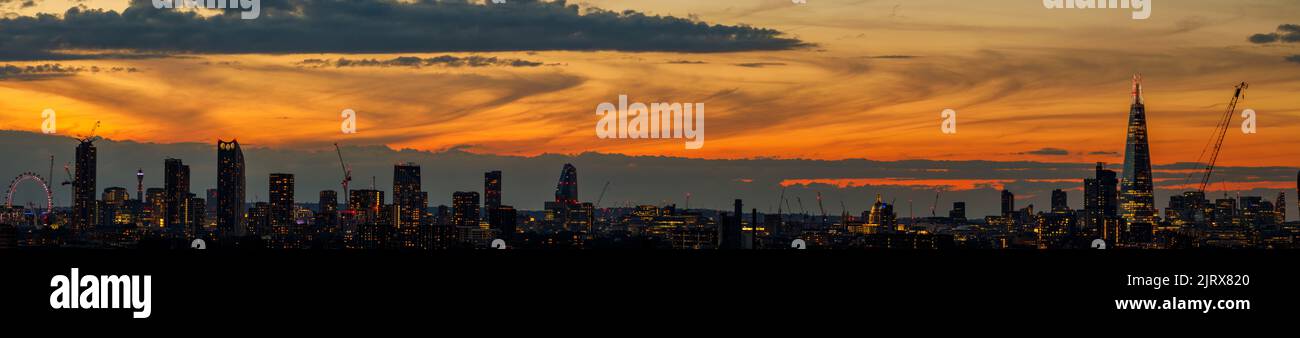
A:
(83, 186)
(231, 185)
(465, 208)
(566, 191)
(281, 192)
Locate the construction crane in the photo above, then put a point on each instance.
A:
(779, 200)
(67, 170)
(602, 195)
(89, 138)
(935, 206)
(823, 208)
(1215, 144)
(347, 178)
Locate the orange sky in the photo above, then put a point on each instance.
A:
(1021, 77)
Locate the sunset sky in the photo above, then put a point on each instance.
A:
(862, 79)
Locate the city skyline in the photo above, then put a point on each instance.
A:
(958, 180)
(873, 75)
(1116, 212)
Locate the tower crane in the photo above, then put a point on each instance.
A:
(1215, 144)
(347, 178)
(820, 206)
(67, 170)
(602, 195)
(89, 138)
(935, 206)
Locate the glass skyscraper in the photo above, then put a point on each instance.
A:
(231, 186)
(1137, 192)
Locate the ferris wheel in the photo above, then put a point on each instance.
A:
(29, 176)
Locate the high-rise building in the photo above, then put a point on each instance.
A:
(1100, 194)
(958, 211)
(465, 206)
(328, 217)
(367, 203)
(730, 229)
(156, 207)
(1008, 203)
(492, 201)
(83, 186)
(1137, 192)
(139, 185)
(281, 203)
(406, 195)
(259, 219)
(231, 185)
(492, 189)
(1280, 211)
(210, 205)
(566, 192)
(176, 182)
(114, 210)
(503, 219)
(1060, 201)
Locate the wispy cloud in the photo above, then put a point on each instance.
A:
(416, 62)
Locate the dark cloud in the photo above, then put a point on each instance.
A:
(21, 3)
(51, 70)
(380, 26)
(416, 62)
(760, 64)
(1108, 153)
(1048, 152)
(686, 62)
(1286, 33)
(1293, 58)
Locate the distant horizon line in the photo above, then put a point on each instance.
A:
(462, 149)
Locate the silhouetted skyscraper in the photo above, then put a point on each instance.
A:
(281, 203)
(329, 207)
(1060, 201)
(1100, 198)
(566, 192)
(492, 189)
(176, 183)
(1137, 192)
(1280, 208)
(729, 229)
(231, 185)
(406, 182)
(1008, 203)
(84, 187)
(958, 211)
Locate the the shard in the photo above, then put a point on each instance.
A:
(1137, 192)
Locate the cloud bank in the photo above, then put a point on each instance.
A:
(379, 26)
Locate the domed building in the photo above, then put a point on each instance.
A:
(881, 217)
